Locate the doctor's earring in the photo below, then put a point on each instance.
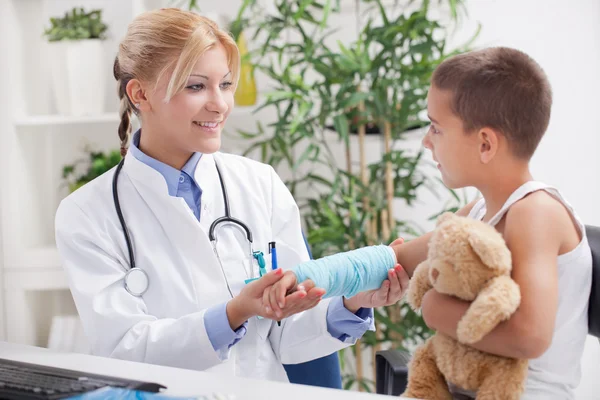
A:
(137, 105)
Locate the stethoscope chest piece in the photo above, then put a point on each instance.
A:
(136, 281)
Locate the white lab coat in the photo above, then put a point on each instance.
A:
(166, 325)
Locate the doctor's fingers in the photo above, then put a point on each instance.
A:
(403, 278)
(398, 283)
(298, 305)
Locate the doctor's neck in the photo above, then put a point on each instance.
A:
(154, 145)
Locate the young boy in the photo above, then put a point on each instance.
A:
(489, 110)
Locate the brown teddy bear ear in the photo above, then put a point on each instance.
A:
(444, 217)
(489, 245)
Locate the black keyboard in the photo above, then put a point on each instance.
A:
(20, 380)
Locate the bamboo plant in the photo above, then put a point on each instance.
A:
(326, 96)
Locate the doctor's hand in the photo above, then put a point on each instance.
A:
(390, 292)
(249, 302)
(286, 297)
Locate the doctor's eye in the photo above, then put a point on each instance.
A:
(196, 88)
(226, 85)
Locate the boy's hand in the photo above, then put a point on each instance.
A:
(305, 296)
(390, 292)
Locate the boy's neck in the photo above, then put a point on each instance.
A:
(497, 190)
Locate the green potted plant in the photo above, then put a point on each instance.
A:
(322, 93)
(76, 56)
(83, 171)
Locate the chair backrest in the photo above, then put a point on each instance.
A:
(593, 234)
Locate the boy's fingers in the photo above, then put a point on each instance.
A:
(397, 241)
(315, 293)
(307, 285)
(273, 299)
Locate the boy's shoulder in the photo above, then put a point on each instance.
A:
(538, 207)
(541, 214)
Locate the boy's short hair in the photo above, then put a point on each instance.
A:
(501, 88)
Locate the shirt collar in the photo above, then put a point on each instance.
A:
(170, 174)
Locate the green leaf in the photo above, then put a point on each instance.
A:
(353, 100)
(77, 25)
(340, 123)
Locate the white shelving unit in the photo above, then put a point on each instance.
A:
(54, 120)
(37, 142)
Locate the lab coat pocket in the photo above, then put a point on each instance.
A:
(263, 327)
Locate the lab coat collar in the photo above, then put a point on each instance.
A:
(152, 183)
(170, 174)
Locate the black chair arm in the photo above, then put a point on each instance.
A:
(391, 370)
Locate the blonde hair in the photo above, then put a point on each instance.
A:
(160, 41)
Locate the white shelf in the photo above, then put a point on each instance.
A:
(37, 279)
(48, 120)
(35, 259)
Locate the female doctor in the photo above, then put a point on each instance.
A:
(160, 252)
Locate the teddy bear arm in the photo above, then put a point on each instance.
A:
(494, 304)
(419, 285)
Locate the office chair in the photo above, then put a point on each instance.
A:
(391, 366)
(323, 372)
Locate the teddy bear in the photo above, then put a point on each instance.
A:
(467, 259)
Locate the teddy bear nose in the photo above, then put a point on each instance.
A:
(434, 274)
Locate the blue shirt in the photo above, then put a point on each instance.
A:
(341, 323)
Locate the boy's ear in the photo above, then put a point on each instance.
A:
(488, 144)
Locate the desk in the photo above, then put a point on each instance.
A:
(180, 382)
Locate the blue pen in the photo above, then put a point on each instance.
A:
(273, 252)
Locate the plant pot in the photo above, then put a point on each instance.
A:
(78, 76)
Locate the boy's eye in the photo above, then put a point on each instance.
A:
(433, 129)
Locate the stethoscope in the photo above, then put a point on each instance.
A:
(136, 279)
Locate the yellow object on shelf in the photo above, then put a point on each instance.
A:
(245, 94)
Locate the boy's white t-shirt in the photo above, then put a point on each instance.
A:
(557, 372)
